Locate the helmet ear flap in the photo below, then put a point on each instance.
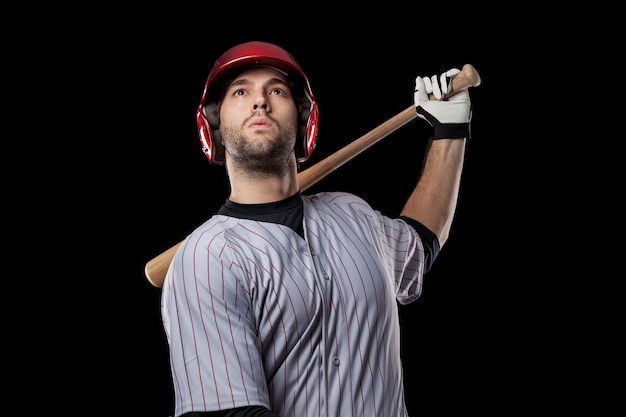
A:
(212, 119)
(307, 127)
(301, 148)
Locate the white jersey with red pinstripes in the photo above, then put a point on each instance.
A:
(256, 315)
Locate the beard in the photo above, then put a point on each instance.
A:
(258, 155)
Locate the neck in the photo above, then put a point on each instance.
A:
(257, 188)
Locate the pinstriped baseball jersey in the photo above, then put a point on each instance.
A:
(256, 315)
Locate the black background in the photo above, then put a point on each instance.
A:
(129, 181)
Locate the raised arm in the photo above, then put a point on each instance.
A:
(433, 202)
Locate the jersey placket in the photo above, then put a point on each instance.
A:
(324, 283)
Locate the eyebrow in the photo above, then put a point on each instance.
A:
(245, 81)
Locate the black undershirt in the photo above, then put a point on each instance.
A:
(288, 212)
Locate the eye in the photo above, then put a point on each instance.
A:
(277, 91)
(239, 92)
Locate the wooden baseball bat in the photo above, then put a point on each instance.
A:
(156, 268)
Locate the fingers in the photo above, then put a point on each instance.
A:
(452, 72)
(439, 86)
(442, 85)
(421, 90)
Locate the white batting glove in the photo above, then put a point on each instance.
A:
(450, 118)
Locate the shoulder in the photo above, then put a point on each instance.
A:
(334, 198)
(338, 202)
(214, 231)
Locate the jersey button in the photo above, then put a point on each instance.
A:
(336, 360)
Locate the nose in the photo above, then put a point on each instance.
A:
(260, 102)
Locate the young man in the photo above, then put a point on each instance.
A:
(284, 304)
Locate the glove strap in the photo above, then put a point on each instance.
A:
(451, 131)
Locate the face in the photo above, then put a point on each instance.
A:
(259, 121)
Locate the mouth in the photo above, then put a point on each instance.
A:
(260, 123)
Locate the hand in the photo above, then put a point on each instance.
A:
(450, 118)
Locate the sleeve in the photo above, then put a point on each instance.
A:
(429, 241)
(400, 245)
(215, 355)
(237, 412)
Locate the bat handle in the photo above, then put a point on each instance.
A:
(468, 77)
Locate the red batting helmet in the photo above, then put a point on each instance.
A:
(248, 54)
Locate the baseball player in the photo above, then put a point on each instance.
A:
(285, 304)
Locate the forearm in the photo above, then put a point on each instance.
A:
(433, 202)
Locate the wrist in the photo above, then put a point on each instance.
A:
(452, 131)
